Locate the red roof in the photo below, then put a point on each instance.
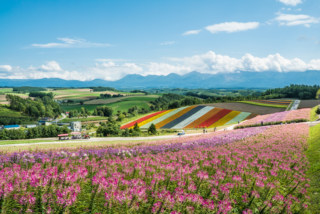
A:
(63, 135)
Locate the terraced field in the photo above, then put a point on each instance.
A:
(189, 117)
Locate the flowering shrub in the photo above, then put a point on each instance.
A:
(242, 171)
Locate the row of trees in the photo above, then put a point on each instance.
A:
(293, 91)
(41, 94)
(27, 89)
(106, 96)
(37, 132)
(39, 107)
(112, 128)
(170, 101)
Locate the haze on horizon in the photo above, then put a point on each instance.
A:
(97, 39)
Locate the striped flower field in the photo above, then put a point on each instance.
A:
(189, 117)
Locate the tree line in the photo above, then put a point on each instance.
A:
(30, 133)
(39, 107)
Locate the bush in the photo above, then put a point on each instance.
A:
(152, 129)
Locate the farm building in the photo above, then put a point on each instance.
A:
(11, 127)
(44, 123)
(76, 126)
(31, 126)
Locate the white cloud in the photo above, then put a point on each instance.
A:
(296, 19)
(291, 2)
(191, 32)
(231, 27)
(110, 70)
(51, 66)
(166, 43)
(71, 43)
(5, 68)
(209, 62)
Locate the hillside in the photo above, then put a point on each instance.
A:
(188, 117)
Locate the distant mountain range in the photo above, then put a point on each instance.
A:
(191, 80)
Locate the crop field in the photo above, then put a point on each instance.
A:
(285, 116)
(3, 100)
(188, 117)
(146, 98)
(117, 104)
(267, 103)
(125, 105)
(252, 170)
(309, 103)
(81, 94)
(244, 107)
(70, 107)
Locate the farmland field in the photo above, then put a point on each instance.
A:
(256, 170)
(243, 107)
(308, 103)
(266, 104)
(118, 103)
(5, 90)
(198, 116)
(85, 94)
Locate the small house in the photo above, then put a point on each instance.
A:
(76, 126)
(31, 126)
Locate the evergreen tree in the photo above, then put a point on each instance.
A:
(152, 129)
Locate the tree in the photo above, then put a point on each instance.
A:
(152, 129)
(136, 128)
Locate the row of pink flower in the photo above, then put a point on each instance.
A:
(262, 173)
(280, 117)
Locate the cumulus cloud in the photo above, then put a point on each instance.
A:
(296, 19)
(191, 32)
(110, 70)
(291, 2)
(5, 68)
(70, 43)
(209, 62)
(51, 66)
(231, 27)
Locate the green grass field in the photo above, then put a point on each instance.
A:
(5, 90)
(10, 142)
(83, 94)
(313, 115)
(5, 112)
(264, 104)
(125, 105)
(68, 120)
(118, 104)
(313, 154)
(91, 108)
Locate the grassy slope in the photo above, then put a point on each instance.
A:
(264, 104)
(123, 104)
(5, 90)
(313, 114)
(313, 154)
(91, 108)
(9, 113)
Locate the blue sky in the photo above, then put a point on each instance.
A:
(81, 39)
